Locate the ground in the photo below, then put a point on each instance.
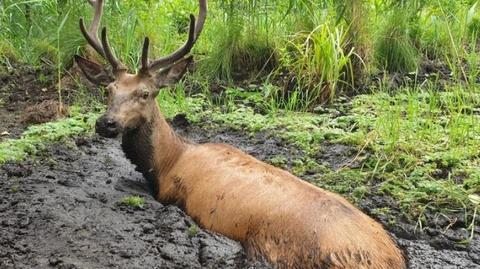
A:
(67, 205)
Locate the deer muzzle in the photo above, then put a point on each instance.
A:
(107, 127)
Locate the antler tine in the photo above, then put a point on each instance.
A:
(202, 16)
(101, 47)
(116, 64)
(92, 35)
(146, 44)
(98, 5)
(194, 33)
(178, 54)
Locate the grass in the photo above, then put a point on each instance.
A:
(134, 201)
(325, 46)
(395, 50)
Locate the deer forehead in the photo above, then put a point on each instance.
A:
(128, 83)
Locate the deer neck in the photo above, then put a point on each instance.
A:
(154, 148)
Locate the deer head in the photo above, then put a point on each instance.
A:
(131, 97)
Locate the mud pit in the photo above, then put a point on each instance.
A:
(64, 210)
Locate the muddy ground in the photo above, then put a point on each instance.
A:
(28, 95)
(63, 209)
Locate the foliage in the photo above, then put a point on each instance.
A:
(36, 137)
(394, 50)
(133, 201)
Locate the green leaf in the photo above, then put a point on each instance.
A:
(475, 199)
(471, 13)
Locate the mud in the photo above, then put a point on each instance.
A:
(64, 210)
(28, 96)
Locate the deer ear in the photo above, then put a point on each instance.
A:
(95, 73)
(172, 74)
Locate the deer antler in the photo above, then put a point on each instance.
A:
(193, 34)
(102, 48)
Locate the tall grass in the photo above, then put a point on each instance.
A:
(395, 50)
(319, 63)
(325, 45)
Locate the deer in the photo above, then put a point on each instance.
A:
(275, 215)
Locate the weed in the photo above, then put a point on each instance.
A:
(278, 161)
(174, 101)
(193, 230)
(133, 201)
(36, 137)
(320, 64)
(394, 50)
(43, 79)
(14, 189)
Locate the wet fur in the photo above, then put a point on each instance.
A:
(138, 148)
(273, 213)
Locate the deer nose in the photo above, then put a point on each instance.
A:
(110, 123)
(107, 127)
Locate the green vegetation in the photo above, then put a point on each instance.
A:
(312, 50)
(134, 201)
(193, 230)
(35, 138)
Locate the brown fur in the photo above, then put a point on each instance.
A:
(273, 213)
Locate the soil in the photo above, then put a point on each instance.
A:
(28, 96)
(63, 208)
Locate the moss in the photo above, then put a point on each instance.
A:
(278, 161)
(36, 137)
(242, 118)
(173, 102)
(134, 201)
(14, 189)
(302, 166)
(351, 183)
(193, 230)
